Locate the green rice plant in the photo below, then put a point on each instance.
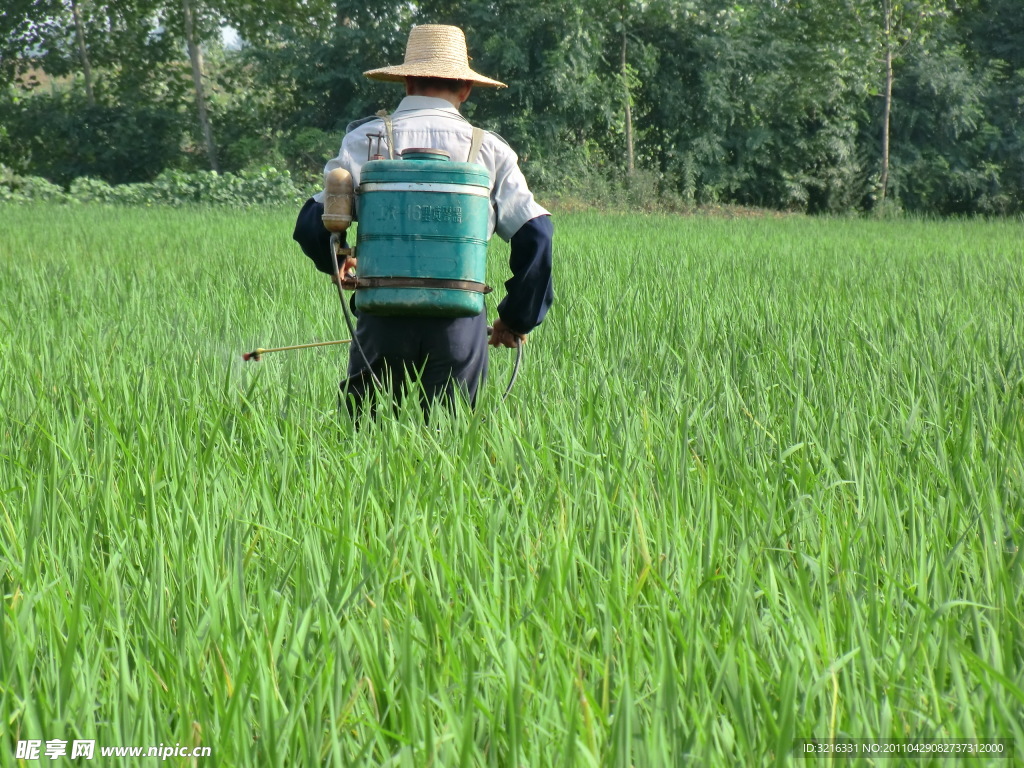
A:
(760, 480)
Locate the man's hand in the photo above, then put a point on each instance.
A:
(503, 336)
(345, 276)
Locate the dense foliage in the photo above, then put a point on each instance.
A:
(245, 189)
(777, 103)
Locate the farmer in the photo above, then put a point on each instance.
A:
(444, 355)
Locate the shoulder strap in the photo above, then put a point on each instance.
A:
(389, 130)
(474, 147)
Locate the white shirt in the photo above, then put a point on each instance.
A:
(424, 121)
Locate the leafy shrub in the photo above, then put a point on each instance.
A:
(264, 186)
(21, 189)
(309, 148)
(90, 190)
(586, 177)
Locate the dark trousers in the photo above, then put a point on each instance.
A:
(440, 356)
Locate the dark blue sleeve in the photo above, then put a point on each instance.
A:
(530, 292)
(313, 237)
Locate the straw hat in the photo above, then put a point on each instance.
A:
(434, 50)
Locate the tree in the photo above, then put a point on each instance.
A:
(626, 76)
(895, 26)
(993, 34)
(39, 33)
(195, 56)
(815, 106)
(83, 51)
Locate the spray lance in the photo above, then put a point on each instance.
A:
(337, 217)
(259, 352)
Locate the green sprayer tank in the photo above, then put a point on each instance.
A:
(422, 237)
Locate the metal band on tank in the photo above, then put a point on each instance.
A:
(434, 283)
(446, 239)
(408, 186)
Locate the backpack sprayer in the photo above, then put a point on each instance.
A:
(422, 241)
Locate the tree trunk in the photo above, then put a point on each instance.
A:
(887, 107)
(628, 101)
(83, 53)
(195, 55)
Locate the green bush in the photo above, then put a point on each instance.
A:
(264, 186)
(22, 189)
(90, 190)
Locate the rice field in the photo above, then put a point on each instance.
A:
(760, 480)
